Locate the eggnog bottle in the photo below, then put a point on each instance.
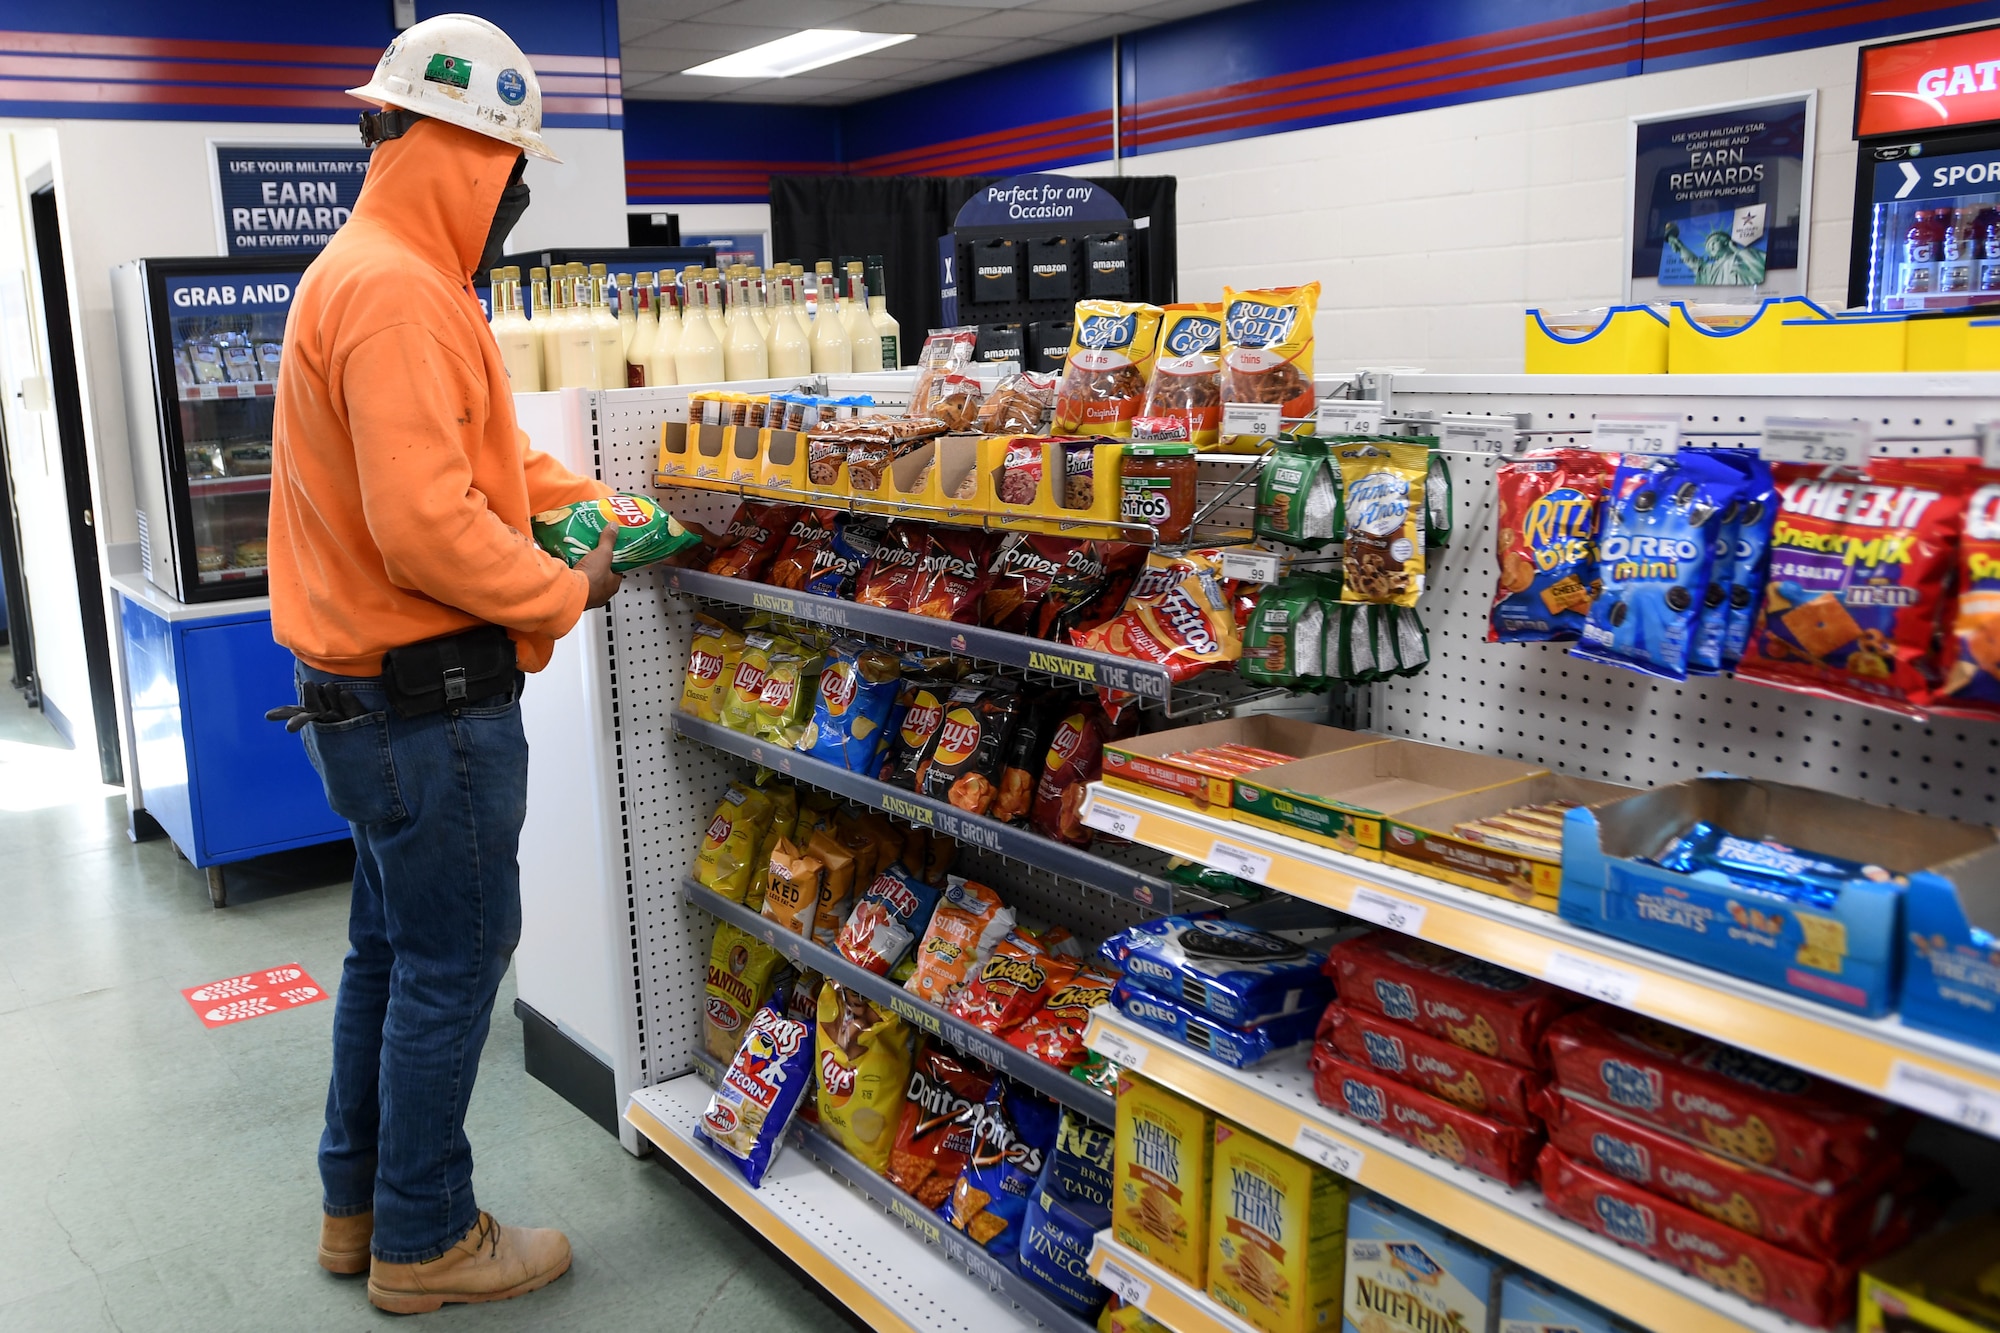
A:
(791, 346)
(867, 348)
(660, 367)
(511, 334)
(832, 353)
(580, 364)
(712, 297)
(744, 355)
(762, 291)
(605, 334)
(543, 323)
(628, 319)
(698, 359)
(639, 351)
(886, 328)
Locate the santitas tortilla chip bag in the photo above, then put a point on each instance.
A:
(647, 534)
(741, 970)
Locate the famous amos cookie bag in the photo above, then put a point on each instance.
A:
(1267, 346)
(1465, 1138)
(1382, 503)
(1478, 1083)
(1721, 1097)
(1468, 1002)
(1970, 659)
(1859, 564)
(1546, 543)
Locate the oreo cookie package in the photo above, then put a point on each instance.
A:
(1237, 1047)
(1230, 971)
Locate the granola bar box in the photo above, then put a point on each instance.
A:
(1276, 1229)
(1405, 1274)
(1160, 1197)
(1838, 944)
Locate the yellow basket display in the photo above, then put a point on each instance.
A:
(1631, 340)
(1849, 345)
(1755, 347)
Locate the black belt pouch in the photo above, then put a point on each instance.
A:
(449, 672)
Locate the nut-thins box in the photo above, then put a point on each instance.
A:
(1338, 800)
(1424, 838)
(1842, 951)
(1145, 764)
(1946, 1284)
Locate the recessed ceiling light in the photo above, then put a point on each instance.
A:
(798, 53)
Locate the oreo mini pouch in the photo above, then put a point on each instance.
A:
(1239, 975)
(1655, 548)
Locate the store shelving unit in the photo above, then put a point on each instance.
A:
(960, 1035)
(873, 1257)
(1006, 840)
(1941, 1077)
(1142, 1283)
(1276, 1100)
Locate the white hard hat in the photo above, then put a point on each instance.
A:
(464, 71)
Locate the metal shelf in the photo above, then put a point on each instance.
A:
(1004, 840)
(1948, 1079)
(960, 1035)
(1276, 1100)
(252, 485)
(1164, 1297)
(865, 1258)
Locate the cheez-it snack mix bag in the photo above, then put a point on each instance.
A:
(1971, 657)
(1159, 1205)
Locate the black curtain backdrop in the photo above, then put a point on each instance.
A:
(901, 218)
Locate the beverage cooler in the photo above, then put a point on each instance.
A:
(201, 341)
(1927, 185)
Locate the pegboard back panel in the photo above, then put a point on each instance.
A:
(1536, 703)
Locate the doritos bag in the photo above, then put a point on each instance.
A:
(1267, 346)
(1024, 567)
(751, 544)
(863, 1057)
(969, 921)
(941, 1107)
(1111, 349)
(810, 533)
(1015, 1132)
(954, 575)
(715, 648)
(891, 575)
(727, 858)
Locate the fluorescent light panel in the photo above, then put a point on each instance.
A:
(811, 49)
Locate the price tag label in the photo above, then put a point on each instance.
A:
(1587, 976)
(1340, 1158)
(1116, 1046)
(1804, 440)
(1239, 861)
(1262, 420)
(1116, 820)
(1989, 443)
(1349, 416)
(1945, 1097)
(1387, 909)
(1635, 435)
(1251, 566)
(1481, 435)
(1127, 1286)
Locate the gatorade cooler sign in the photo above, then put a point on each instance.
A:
(1929, 84)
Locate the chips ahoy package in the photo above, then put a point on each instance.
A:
(1655, 548)
(1971, 657)
(1858, 570)
(1547, 543)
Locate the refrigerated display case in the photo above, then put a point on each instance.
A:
(1927, 183)
(201, 341)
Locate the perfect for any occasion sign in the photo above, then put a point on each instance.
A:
(1720, 200)
(284, 198)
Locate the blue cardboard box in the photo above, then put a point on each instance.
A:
(1951, 951)
(1411, 1273)
(1846, 954)
(1528, 1305)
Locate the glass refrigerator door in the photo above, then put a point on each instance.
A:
(227, 339)
(1934, 232)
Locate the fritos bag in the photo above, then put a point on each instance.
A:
(863, 1057)
(1187, 627)
(1111, 351)
(727, 857)
(940, 1109)
(715, 648)
(741, 972)
(1267, 346)
(969, 921)
(1187, 383)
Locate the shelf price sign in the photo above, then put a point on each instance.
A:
(1256, 420)
(1349, 416)
(1497, 436)
(1635, 435)
(1806, 440)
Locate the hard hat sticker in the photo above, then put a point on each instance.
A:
(448, 70)
(513, 89)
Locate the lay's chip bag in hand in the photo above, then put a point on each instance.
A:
(863, 1056)
(1972, 648)
(1111, 350)
(647, 534)
(1267, 346)
(1547, 543)
(728, 854)
(1858, 570)
(857, 690)
(754, 1104)
(714, 652)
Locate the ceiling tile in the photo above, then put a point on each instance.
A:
(1165, 10)
(1082, 7)
(637, 15)
(693, 87)
(944, 46)
(912, 18)
(1013, 23)
(1006, 53)
(889, 64)
(792, 15)
(698, 36)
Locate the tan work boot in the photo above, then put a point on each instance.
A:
(492, 1263)
(343, 1242)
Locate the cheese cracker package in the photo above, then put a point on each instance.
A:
(753, 1105)
(1971, 675)
(863, 1056)
(741, 973)
(1267, 346)
(727, 858)
(1159, 1206)
(1277, 1231)
(713, 653)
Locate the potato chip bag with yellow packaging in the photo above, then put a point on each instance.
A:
(1160, 1199)
(863, 1061)
(791, 684)
(728, 855)
(740, 695)
(1277, 1235)
(711, 660)
(741, 970)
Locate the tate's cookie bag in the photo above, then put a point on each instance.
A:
(1972, 648)
(753, 1104)
(1468, 1002)
(1478, 1083)
(1725, 1099)
(1277, 1231)
(863, 1057)
(1547, 512)
(1165, 1150)
(1111, 350)
(646, 533)
(1267, 346)
(1465, 1138)
(1857, 583)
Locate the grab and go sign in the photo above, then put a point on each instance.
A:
(232, 294)
(284, 198)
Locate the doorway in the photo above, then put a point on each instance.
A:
(13, 587)
(68, 401)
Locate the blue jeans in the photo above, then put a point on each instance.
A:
(436, 804)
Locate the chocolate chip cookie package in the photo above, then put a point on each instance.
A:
(1277, 1234)
(1239, 975)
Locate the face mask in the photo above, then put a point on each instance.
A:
(513, 203)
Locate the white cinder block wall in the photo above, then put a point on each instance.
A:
(1430, 233)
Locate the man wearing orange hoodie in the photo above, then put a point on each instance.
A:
(404, 579)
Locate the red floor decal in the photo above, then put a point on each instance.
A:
(252, 995)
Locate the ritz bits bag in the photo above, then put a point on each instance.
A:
(1972, 648)
(1186, 384)
(1111, 352)
(1546, 543)
(1267, 346)
(863, 1055)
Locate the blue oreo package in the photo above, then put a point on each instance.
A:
(1751, 561)
(1233, 1046)
(1229, 971)
(1655, 548)
(1765, 865)
(1711, 631)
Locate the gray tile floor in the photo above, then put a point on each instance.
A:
(155, 1175)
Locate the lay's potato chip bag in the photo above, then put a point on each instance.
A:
(744, 687)
(727, 858)
(713, 653)
(791, 684)
(646, 533)
(863, 1060)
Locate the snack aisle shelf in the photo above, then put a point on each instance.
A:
(1944, 1078)
(1159, 1293)
(1276, 1100)
(1016, 844)
(962, 1036)
(864, 1256)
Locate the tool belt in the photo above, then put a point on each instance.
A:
(449, 672)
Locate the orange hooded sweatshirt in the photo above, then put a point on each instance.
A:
(401, 486)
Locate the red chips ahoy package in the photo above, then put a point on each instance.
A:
(1502, 1151)
(1442, 1068)
(1468, 1002)
(1858, 569)
(1971, 656)
(1547, 543)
